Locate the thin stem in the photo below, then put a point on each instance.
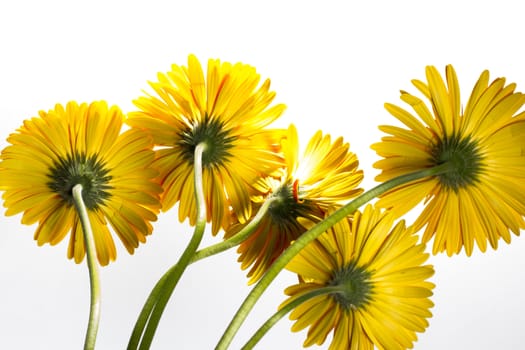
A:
(238, 238)
(173, 276)
(283, 311)
(145, 313)
(201, 254)
(89, 242)
(309, 236)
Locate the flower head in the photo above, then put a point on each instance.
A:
(482, 196)
(325, 176)
(228, 110)
(377, 291)
(52, 153)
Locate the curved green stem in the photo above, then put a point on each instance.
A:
(309, 236)
(201, 254)
(145, 313)
(284, 310)
(89, 242)
(164, 288)
(238, 238)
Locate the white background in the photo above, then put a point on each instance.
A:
(334, 64)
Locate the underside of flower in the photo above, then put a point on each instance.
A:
(80, 169)
(288, 207)
(355, 286)
(210, 131)
(463, 156)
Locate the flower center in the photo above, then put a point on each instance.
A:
(79, 169)
(355, 287)
(213, 134)
(463, 157)
(288, 207)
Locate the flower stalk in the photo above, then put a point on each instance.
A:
(285, 309)
(160, 286)
(238, 238)
(89, 241)
(155, 305)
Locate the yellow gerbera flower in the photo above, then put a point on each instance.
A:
(377, 291)
(324, 177)
(82, 144)
(483, 196)
(227, 110)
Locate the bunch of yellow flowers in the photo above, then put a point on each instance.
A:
(203, 140)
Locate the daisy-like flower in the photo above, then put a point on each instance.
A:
(377, 291)
(482, 196)
(81, 144)
(322, 179)
(227, 110)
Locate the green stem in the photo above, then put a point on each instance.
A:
(201, 254)
(145, 313)
(239, 237)
(172, 277)
(309, 236)
(89, 242)
(284, 310)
